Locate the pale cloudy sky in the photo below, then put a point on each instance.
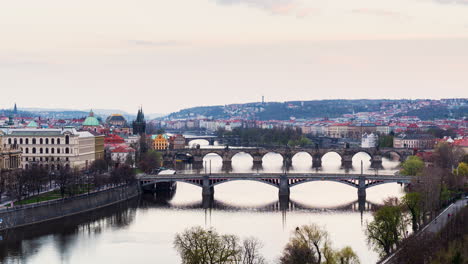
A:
(167, 55)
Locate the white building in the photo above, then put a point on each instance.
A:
(52, 148)
(369, 140)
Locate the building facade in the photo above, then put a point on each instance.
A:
(10, 157)
(53, 148)
(369, 140)
(415, 141)
(160, 142)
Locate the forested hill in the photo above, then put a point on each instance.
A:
(284, 110)
(446, 108)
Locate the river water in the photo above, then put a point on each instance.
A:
(142, 230)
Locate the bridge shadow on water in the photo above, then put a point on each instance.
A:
(163, 199)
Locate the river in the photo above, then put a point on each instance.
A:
(142, 230)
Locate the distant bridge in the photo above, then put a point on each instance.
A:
(346, 154)
(279, 180)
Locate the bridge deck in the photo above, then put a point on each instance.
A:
(276, 176)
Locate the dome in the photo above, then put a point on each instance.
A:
(91, 121)
(32, 124)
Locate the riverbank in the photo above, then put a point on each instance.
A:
(19, 216)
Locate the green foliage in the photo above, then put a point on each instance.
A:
(267, 137)
(412, 166)
(413, 203)
(437, 112)
(199, 246)
(462, 169)
(387, 229)
(386, 141)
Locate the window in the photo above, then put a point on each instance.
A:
(52, 141)
(40, 159)
(52, 159)
(27, 150)
(46, 159)
(66, 159)
(47, 141)
(67, 139)
(67, 150)
(34, 150)
(21, 141)
(40, 141)
(41, 150)
(9, 141)
(58, 141)
(47, 150)
(27, 141)
(58, 151)
(52, 150)
(34, 141)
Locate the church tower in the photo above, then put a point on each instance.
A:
(139, 125)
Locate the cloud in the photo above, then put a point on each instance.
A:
(278, 7)
(379, 12)
(148, 43)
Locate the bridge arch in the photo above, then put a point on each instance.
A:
(389, 152)
(299, 155)
(274, 153)
(272, 183)
(175, 180)
(349, 183)
(198, 141)
(369, 153)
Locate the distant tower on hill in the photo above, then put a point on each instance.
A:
(139, 125)
(15, 110)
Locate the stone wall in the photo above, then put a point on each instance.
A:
(45, 211)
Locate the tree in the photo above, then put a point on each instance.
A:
(412, 202)
(310, 244)
(149, 161)
(387, 229)
(347, 256)
(386, 141)
(447, 156)
(462, 169)
(199, 246)
(412, 166)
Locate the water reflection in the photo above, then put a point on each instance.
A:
(143, 230)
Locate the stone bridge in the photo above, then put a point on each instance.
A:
(257, 154)
(281, 181)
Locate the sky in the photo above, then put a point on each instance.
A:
(169, 55)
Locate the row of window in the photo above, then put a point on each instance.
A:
(33, 159)
(45, 150)
(46, 166)
(35, 141)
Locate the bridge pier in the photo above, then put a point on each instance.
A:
(257, 160)
(376, 162)
(208, 190)
(362, 191)
(347, 161)
(197, 162)
(284, 187)
(316, 161)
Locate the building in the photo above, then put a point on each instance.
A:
(369, 140)
(54, 148)
(414, 141)
(10, 157)
(116, 120)
(358, 130)
(139, 125)
(160, 142)
(337, 131)
(177, 142)
(122, 155)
